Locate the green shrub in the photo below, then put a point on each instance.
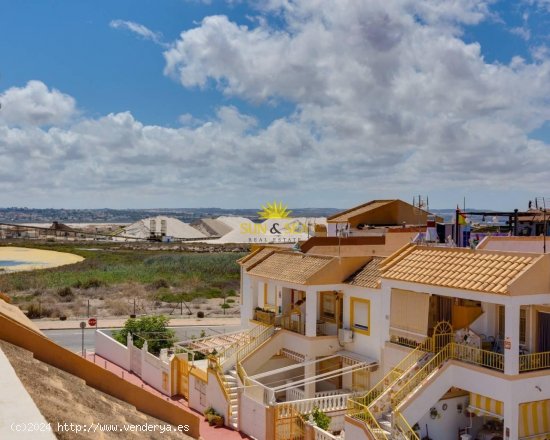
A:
(230, 300)
(200, 314)
(320, 418)
(154, 329)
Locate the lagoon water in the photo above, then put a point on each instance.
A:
(7, 263)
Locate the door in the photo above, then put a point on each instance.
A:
(543, 331)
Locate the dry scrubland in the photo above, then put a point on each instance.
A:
(168, 279)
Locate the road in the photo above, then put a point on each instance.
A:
(72, 338)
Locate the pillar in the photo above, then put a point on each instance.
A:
(511, 339)
(309, 388)
(250, 301)
(511, 420)
(311, 313)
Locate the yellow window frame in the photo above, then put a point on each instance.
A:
(353, 301)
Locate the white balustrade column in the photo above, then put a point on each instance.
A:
(311, 313)
(511, 339)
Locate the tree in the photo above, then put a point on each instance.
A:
(152, 329)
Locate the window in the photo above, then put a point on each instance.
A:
(360, 315)
(270, 296)
(328, 306)
(522, 324)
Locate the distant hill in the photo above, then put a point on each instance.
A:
(188, 215)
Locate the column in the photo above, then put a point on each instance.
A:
(311, 313)
(511, 420)
(309, 388)
(511, 339)
(250, 301)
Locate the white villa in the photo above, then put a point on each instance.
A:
(389, 338)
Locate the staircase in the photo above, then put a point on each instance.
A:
(377, 408)
(231, 384)
(225, 366)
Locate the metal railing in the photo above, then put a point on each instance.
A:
(254, 343)
(395, 373)
(421, 375)
(289, 426)
(463, 353)
(247, 338)
(534, 361)
(403, 427)
(362, 413)
(293, 325)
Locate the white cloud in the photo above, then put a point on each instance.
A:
(388, 99)
(35, 104)
(139, 29)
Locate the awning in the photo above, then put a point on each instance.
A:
(534, 420)
(485, 406)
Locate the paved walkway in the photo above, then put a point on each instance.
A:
(207, 432)
(119, 322)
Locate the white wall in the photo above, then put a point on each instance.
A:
(195, 395)
(446, 425)
(112, 350)
(151, 372)
(367, 345)
(252, 417)
(215, 396)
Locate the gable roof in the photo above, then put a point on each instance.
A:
(467, 269)
(368, 276)
(289, 266)
(345, 216)
(254, 257)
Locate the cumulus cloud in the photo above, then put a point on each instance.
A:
(138, 29)
(35, 104)
(386, 96)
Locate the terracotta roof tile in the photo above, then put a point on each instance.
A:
(457, 268)
(368, 275)
(254, 257)
(290, 266)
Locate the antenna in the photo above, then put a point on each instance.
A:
(543, 209)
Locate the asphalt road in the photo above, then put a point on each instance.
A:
(72, 339)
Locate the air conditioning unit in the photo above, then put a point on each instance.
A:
(345, 335)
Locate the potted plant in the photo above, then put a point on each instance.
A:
(217, 420)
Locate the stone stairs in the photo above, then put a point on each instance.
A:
(231, 384)
(382, 405)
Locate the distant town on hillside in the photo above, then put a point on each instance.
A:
(33, 215)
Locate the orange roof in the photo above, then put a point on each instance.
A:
(289, 266)
(254, 257)
(344, 216)
(368, 276)
(467, 269)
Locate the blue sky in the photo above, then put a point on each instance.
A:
(281, 117)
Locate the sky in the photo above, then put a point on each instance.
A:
(317, 103)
